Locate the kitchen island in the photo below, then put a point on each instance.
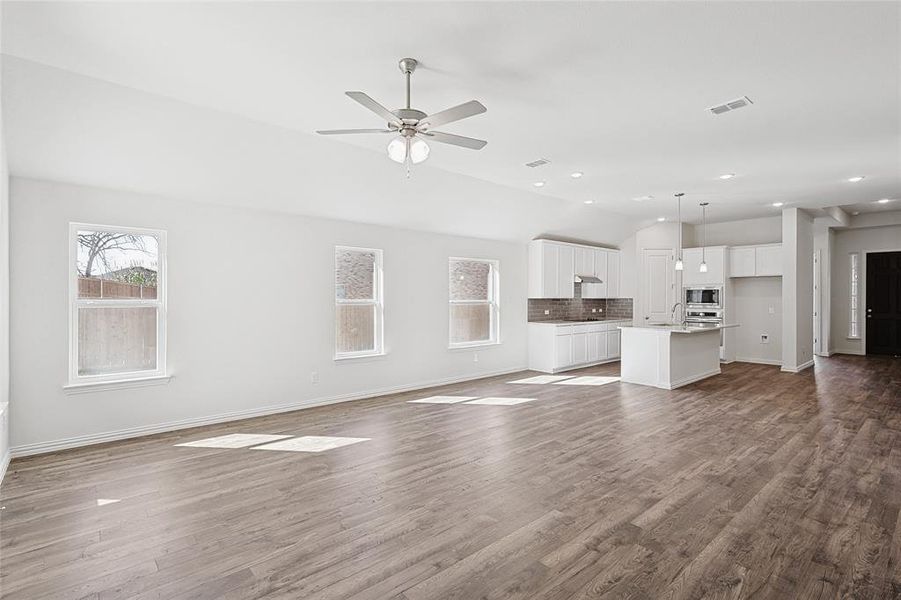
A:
(670, 356)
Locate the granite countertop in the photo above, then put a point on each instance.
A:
(570, 322)
(685, 329)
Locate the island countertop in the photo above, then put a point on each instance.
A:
(684, 328)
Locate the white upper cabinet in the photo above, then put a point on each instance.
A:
(612, 274)
(769, 260)
(584, 260)
(551, 273)
(742, 262)
(755, 261)
(554, 265)
(600, 258)
(714, 256)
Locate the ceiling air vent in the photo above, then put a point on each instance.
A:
(731, 105)
(537, 163)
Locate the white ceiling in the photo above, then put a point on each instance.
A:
(617, 90)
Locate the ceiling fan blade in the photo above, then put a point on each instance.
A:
(343, 131)
(456, 140)
(462, 111)
(375, 107)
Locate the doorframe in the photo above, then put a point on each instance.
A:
(817, 304)
(863, 293)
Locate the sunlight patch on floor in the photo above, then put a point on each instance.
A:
(311, 443)
(442, 399)
(234, 440)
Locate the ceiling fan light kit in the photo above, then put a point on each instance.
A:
(412, 125)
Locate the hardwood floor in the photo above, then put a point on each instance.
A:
(753, 484)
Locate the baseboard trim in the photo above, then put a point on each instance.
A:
(4, 464)
(799, 368)
(692, 379)
(133, 432)
(759, 361)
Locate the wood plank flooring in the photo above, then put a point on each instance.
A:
(753, 484)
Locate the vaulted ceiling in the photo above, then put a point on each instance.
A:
(219, 102)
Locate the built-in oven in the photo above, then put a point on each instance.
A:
(703, 297)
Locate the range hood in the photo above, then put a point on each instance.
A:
(587, 279)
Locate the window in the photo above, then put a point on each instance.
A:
(474, 315)
(854, 303)
(358, 302)
(117, 321)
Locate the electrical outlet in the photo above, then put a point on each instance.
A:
(475, 357)
(314, 377)
(764, 338)
(594, 310)
(547, 312)
(772, 311)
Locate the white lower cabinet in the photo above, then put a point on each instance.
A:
(597, 346)
(563, 350)
(556, 347)
(613, 343)
(580, 348)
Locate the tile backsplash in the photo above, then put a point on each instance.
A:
(579, 308)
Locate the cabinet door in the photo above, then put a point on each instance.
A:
(613, 338)
(769, 260)
(593, 346)
(563, 351)
(565, 272)
(716, 266)
(742, 262)
(598, 346)
(613, 275)
(580, 348)
(548, 271)
(691, 261)
(584, 260)
(599, 270)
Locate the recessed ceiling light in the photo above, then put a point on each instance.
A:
(576, 174)
(538, 184)
(778, 204)
(643, 198)
(727, 175)
(884, 201)
(856, 212)
(588, 202)
(855, 179)
(661, 219)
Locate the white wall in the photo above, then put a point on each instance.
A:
(4, 308)
(753, 298)
(797, 289)
(4, 296)
(872, 239)
(233, 347)
(766, 230)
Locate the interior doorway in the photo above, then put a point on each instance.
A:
(883, 306)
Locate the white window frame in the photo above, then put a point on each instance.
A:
(493, 301)
(378, 302)
(854, 296)
(76, 380)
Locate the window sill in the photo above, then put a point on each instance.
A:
(472, 345)
(360, 357)
(121, 384)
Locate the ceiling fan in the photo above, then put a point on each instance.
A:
(412, 127)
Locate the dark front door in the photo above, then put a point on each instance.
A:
(884, 303)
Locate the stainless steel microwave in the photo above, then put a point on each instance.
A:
(704, 297)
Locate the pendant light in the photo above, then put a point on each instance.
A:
(703, 267)
(679, 264)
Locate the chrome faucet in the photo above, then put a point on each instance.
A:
(672, 317)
